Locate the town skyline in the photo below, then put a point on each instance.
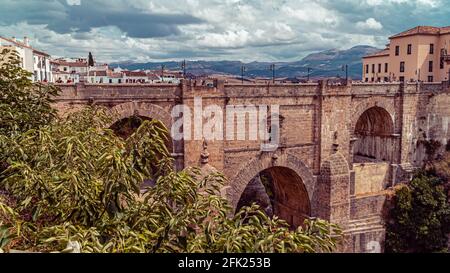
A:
(145, 31)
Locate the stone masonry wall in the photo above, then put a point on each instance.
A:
(317, 134)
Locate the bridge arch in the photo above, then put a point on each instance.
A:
(127, 117)
(370, 103)
(374, 134)
(143, 109)
(291, 180)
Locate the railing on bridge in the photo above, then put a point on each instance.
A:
(445, 57)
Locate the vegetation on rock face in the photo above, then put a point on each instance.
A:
(66, 182)
(419, 220)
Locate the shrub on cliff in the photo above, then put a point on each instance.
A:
(419, 220)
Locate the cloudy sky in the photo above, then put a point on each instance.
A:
(247, 30)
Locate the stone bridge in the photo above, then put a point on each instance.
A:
(342, 146)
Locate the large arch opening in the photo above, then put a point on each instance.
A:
(278, 191)
(125, 127)
(374, 136)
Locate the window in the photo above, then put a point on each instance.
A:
(110, 80)
(397, 50)
(430, 66)
(372, 80)
(378, 79)
(402, 67)
(367, 69)
(441, 66)
(430, 78)
(409, 49)
(120, 81)
(386, 68)
(402, 79)
(367, 79)
(431, 48)
(373, 68)
(386, 79)
(379, 68)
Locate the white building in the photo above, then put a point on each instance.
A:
(115, 77)
(99, 76)
(65, 77)
(71, 65)
(42, 68)
(170, 76)
(32, 60)
(68, 70)
(135, 77)
(153, 78)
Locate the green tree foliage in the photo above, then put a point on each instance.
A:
(23, 105)
(71, 181)
(420, 217)
(68, 180)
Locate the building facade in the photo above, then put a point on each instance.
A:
(32, 60)
(418, 54)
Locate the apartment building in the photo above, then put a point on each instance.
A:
(418, 54)
(31, 59)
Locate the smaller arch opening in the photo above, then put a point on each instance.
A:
(125, 127)
(278, 191)
(374, 133)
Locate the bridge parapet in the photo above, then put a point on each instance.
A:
(104, 92)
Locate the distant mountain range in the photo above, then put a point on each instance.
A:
(327, 63)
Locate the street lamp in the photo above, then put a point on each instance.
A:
(243, 69)
(309, 72)
(183, 67)
(345, 67)
(272, 68)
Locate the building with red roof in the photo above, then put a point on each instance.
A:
(418, 54)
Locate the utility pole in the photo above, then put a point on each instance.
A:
(183, 66)
(272, 68)
(309, 71)
(345, 67)
(243, 69)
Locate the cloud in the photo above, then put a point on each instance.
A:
(370, 24)
(64, 16)
(73, 2)
(148, 30)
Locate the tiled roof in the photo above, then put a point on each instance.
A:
(98, 73)
(20, 44)
(384, 52)
(425, 30)
(17, 43)
(152, 76)
(70, 64)
(135, 73)
(115, 75)
(40, 53)
(445, 30)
